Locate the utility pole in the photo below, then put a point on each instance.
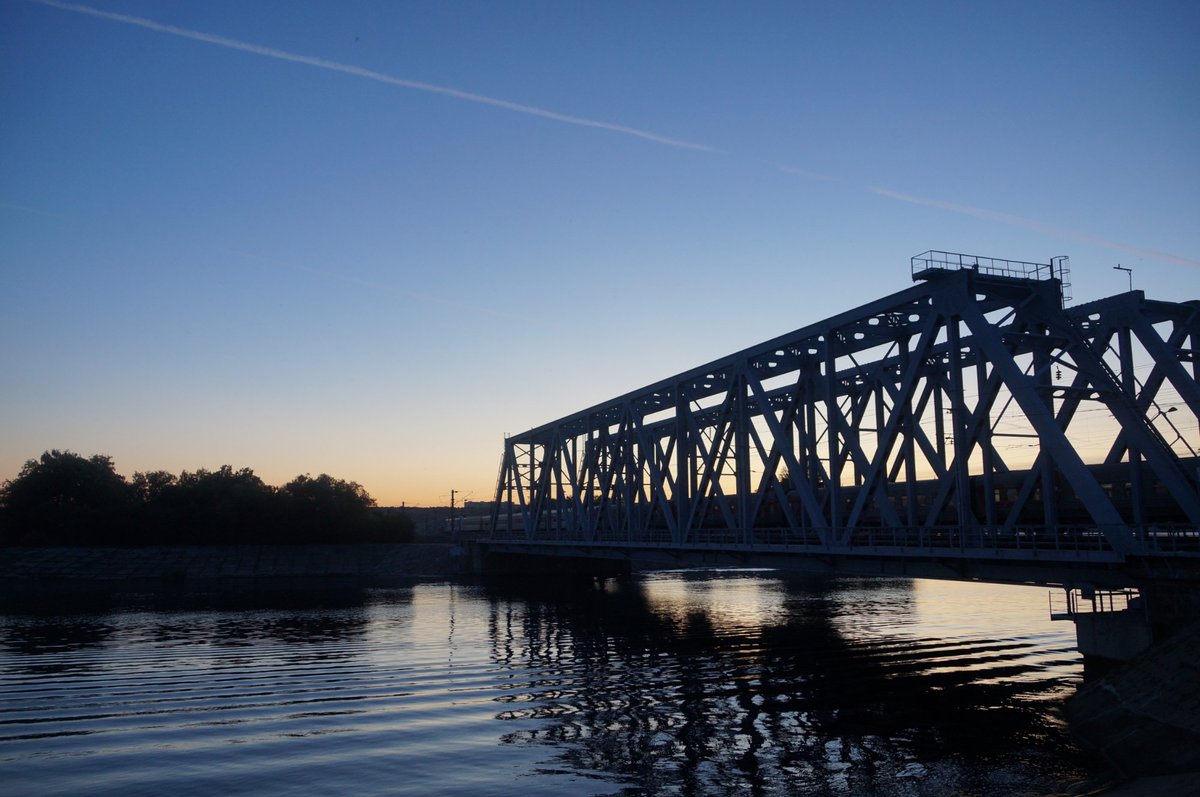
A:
(453, 522)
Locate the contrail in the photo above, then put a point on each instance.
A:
(1030, 224)
(357, 71)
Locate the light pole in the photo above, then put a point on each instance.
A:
(1129, 271)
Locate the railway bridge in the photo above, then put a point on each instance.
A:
(975, 426)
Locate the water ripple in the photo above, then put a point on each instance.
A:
(676, 684)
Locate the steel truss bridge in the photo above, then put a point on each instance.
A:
(973, 426)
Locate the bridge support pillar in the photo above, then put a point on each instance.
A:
(1113, 636)
(1122, 624)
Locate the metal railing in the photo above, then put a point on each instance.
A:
(934, 260)
(897, 540)
(1067, 604)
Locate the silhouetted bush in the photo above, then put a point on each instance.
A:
(65, 499)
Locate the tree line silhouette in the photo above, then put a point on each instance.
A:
(63, 498)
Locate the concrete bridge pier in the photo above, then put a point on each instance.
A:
(1118, 625)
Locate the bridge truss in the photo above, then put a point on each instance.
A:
(971, 417)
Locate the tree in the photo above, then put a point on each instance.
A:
(150, 486)
(223, 506)
(327, 493)
(155, 520)
(328, 509)
(63, 498)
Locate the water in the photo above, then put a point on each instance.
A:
(669, 683)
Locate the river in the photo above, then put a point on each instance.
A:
(671, 683)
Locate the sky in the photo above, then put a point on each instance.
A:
(371, 238)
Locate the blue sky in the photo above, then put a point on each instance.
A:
(260, 234)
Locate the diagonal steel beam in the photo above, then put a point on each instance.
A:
(1054, 443)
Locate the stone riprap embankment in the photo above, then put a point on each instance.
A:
(1144, 716)
(180, 563)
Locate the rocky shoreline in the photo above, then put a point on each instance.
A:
(28, 566)
(1143, 719)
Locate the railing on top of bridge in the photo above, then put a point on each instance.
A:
(1017, 542)
(929, 263)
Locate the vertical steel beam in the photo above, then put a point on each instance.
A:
(684, 466)
(1129, 385)
(741, 408)
(833, 485)
(986, 390)
(962, 450)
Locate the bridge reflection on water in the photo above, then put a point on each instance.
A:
(699, 683)
(734, 683)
